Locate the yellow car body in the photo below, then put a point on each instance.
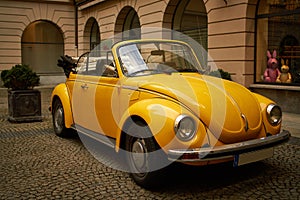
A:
(194, 118)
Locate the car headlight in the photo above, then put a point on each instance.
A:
(274, 114)
(185, 127)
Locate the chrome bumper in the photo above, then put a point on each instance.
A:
(228, 150)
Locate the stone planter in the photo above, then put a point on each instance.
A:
(24, 105)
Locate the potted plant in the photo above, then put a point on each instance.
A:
(24, 102)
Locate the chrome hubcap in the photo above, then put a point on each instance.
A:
(139, 156)
(58, 119)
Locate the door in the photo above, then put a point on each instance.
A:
(95, 99)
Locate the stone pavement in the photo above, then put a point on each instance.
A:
(291, 122)
(36, 164)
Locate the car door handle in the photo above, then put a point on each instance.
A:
(84, 86)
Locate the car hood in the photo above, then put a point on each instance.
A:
(229, 110)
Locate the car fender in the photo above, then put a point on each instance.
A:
(159, 114)
(61, 91)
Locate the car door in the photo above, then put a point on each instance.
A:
(95, 99)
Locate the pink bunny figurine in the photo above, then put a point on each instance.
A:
(272, 71)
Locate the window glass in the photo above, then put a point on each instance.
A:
(151, 58)
(95, 38)
(190, 18)
(131, 26)
(278, 42)
(96, 66)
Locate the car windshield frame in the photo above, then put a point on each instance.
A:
(142, 58)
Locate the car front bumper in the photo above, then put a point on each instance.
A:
(228, 150)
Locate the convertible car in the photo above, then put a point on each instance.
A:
(153, 101)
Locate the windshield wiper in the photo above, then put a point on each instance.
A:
(142, 71)
(153, 71)
(188, 70)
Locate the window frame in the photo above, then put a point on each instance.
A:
(268, 16)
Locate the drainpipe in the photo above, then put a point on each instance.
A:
(76, 27)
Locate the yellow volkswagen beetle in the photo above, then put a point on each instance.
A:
(153, 101)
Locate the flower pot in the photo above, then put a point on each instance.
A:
(24, 105)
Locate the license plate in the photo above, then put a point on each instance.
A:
(253, 156)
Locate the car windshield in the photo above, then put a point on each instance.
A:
(140, 59)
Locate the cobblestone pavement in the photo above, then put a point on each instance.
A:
(36, 164)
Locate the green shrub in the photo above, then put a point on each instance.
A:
(20, 77)
(222, 73)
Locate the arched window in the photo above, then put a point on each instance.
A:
(132, 23)
(190, 18)
(278, 28)
(128, 23)
(95, 35)
(42, 45)
(91, 36)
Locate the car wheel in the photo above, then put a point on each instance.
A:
(143, 156)
(58, 119)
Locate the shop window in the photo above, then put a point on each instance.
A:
(42, 45)
(278, 32)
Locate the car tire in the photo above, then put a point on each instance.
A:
(144, 169)
(58, 119)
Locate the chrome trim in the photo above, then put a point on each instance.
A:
(177, 123)
(228, 150)
(129, 87)
(110, 142)
(269, 110)
(246, 122)
(84, 86)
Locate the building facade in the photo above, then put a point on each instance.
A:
(236, 34)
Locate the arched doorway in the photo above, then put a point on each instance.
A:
(128, 24)
(190, 18)
(42, 44)
(91, 36)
